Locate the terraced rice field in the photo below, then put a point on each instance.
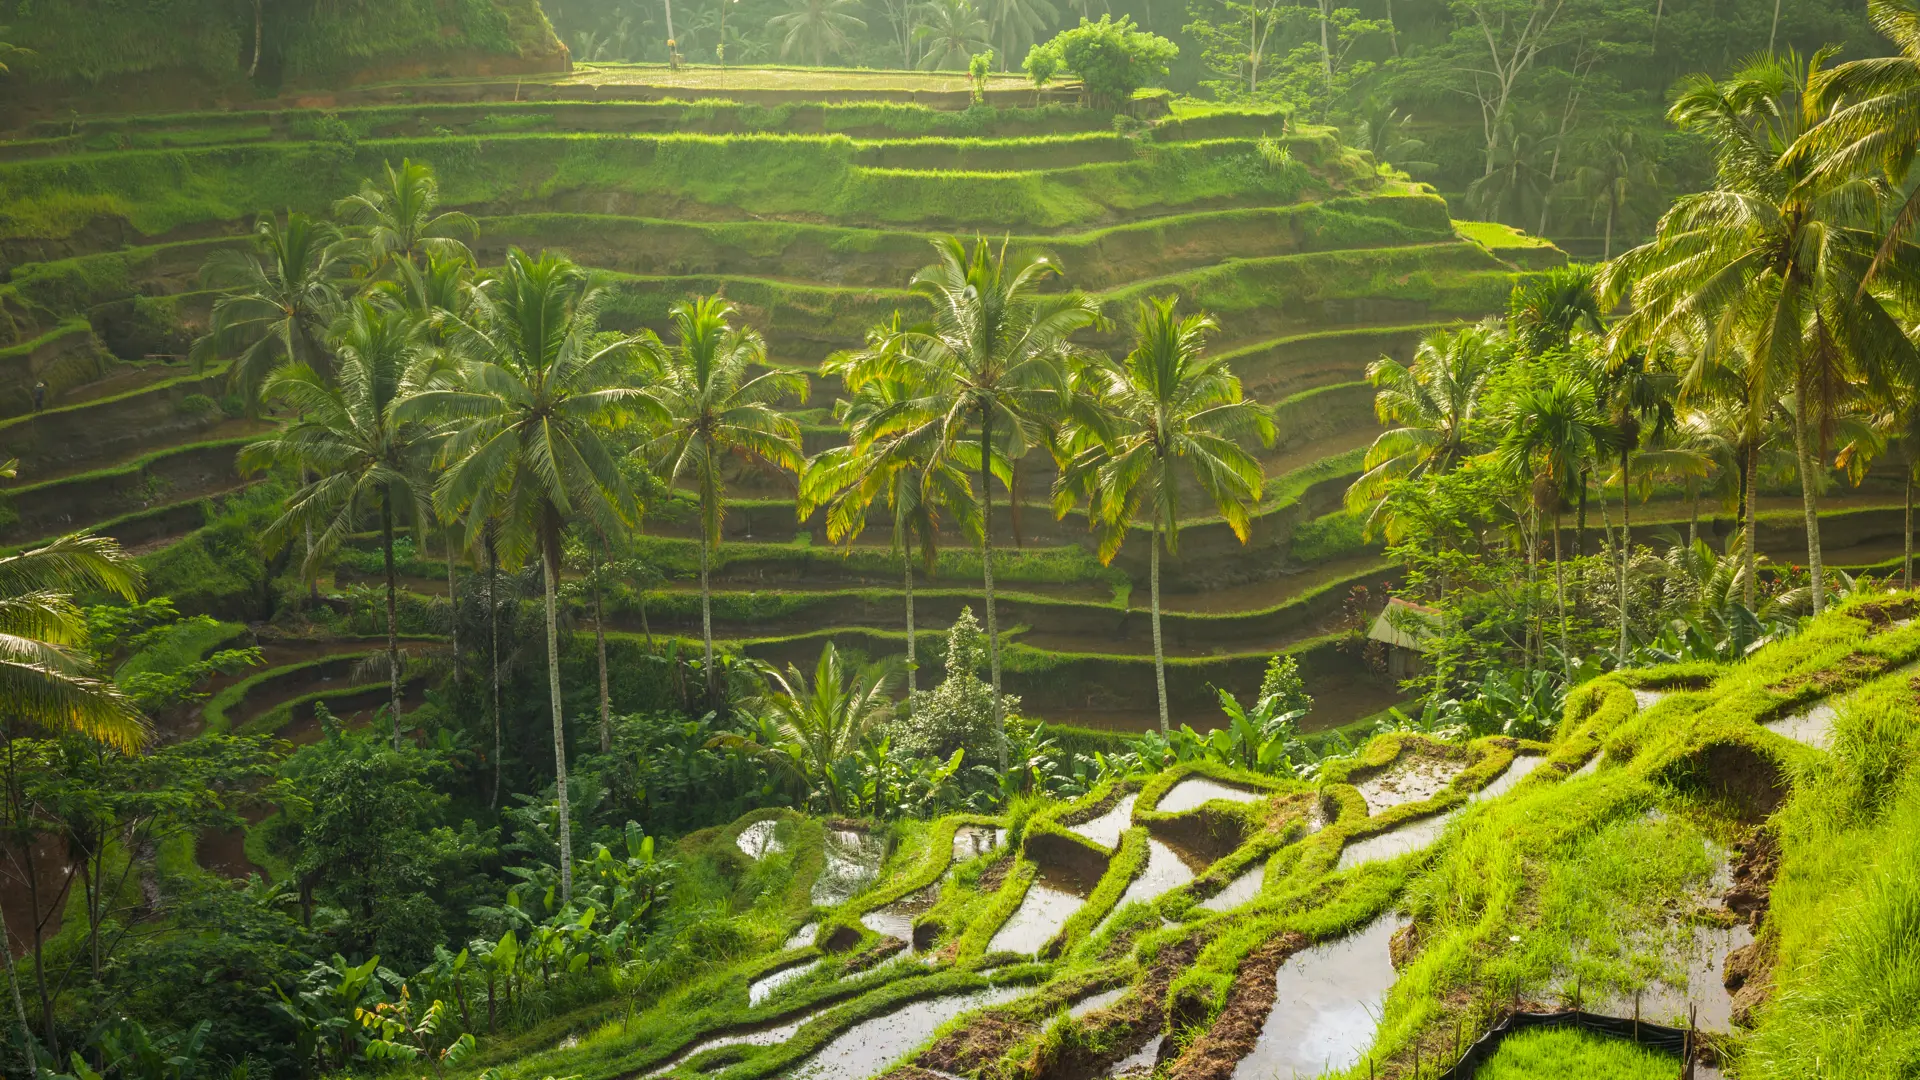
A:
(810, 212)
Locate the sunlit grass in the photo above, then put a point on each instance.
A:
(1568, 1053)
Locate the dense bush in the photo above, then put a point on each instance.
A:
(1112, 59)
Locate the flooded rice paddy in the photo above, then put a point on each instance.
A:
(866, 1048)
(1522, 767)
(1240, 890)
(853, 861)
(1813, 726)
(1140, 1063)
(1647, 699)
(1414, 780)
(973, 841)
(1096, 1002)
(763, 987)
(896, 919)
(1412, 836)
(1041, 915)
(1196, 791)
(1106, 829)
(757, 840)
(1327, 1003)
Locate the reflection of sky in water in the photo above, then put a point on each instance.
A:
(1812, 726)
(1197, 791)
(1044, 911)
(1326, 1005)
(757, 839)
(1164, 872)
(1105, 830)
(1396, 842)
(866, 1048)
(1523, 766)
(1139, 1063)
(1647, 699)
(896, 919)
(853, 861)
(762, 989)
(972, 841)
(1239, 891)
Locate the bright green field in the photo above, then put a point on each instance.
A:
(1575, 1055)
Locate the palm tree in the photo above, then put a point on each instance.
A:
(1774, 261)
(398, 220)
(950, 31)
(704, 408)
(529, 448)
(1515, 184)
(1551, 432)
(1872, 117)
(817, 27)
(1017, 24)
(278, 302)
(821, 723)
(1637, 397)
(848, 480)
(1163, 411)
(349, 435)
(1617, 167)
(47, 679)
(1433, 405)
(988, 367)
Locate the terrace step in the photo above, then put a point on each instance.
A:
(91, 433)
(176, 474)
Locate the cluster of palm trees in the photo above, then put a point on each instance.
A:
(1778, 310)
(420, 392)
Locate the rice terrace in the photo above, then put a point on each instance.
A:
(932, 539)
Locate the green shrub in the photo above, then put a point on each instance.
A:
(1112, 59)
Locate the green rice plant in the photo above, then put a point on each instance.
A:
(1554, 1053)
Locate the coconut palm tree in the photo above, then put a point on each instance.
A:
(46, 677)
(1551, 432)
(949, 32)
(848, 480)
(1636, 397)
(529, 448)
(988, 368)
(1017, 24)
(1618, 167)
(1163, 412)
(348, 434)
(1773, 260)
(1431, 406)
(278, 300)
(1871, 117)
(817, 27)
(704, 408)
(397, 222)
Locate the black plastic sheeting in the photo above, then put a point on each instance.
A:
(1671, 1040)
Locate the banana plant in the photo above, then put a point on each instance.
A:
(395, 1036)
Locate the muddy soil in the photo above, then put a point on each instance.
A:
(1217, 1054)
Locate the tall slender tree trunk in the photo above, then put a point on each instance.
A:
(1809, 502)
(1693, 513)
(28, 1065)
(453, 611)
(1393, 32)
(1013, 499)
(254, 67)
(1159, 655)
(1748, 500)
(706, 612)
(1560, 590)
(1580, 519)
(986, 570)
(1659, 10)
(1773, 34)
(913, 676)
(549, 557)
(493, 645)
(1626, 544)
(393, 636)
(1906, 534)
(600, 644)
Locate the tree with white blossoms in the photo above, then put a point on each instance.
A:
(958, 713)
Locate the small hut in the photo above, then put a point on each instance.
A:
(1407, 630)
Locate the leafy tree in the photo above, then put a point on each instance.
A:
(1773, 260)
(949, 32)
(278, 300)
(1162, 413)
(987, 370)
(529, 446)
(350, 434)
(1551, 432)
(1112, 59)
(1434, 403)
(958, 714)
(398, 224)
(817, 27)
(704, 408)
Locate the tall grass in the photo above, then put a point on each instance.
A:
(1567, 1052)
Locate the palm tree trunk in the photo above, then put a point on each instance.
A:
(19, 1009)
(913, 679)
(1580, 519)
(493, 644)
(706, 611)
(1013, 499)
(986, 569)
(1748, 500)
(393, 637)
(1560, 590)
(1626, 545)
(600, 643)
(1906, 557)
(1773, 35)
(547, 560)
(254, 67)
(453, 611)
(1809, 503)
(1693, 513)
(1159, 656)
